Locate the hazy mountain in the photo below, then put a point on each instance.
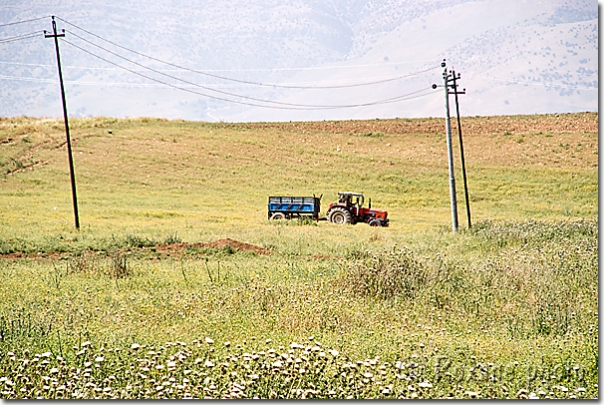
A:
(515, 57)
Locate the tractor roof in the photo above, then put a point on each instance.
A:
(350, 193)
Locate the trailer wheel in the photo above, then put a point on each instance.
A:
(339, 215)
(374, 222)
(277, 216)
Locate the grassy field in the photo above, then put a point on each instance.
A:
(177, 284)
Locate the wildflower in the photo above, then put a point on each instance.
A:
(424, 384)
(209, 341)
(227, 344)
(99, 359)
(472, 394)
(135, 346)
(208, 363)
(334, 352)
(54, 370)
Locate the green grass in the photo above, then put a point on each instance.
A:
(507, 309)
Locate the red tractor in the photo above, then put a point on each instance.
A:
(349, 210)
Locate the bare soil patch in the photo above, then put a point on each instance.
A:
(178, 248)
(171, 250)
(515, 124)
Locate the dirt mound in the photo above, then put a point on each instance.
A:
(179, 248)
(242, 246)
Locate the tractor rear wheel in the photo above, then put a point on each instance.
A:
(339, 215)
(277, 216)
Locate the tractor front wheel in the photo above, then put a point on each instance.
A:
(339, 215)
(277, 216)
(374, 222)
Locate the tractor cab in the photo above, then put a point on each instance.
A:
(351, 199)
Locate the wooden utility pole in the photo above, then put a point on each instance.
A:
(452, 78)
(74, 196)
(463, 160)
(452, 191)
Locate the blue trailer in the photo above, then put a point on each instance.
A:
(294, 207)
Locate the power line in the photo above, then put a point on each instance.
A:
(177, 78)
(80, 83)
(409, 96)
(238, 80)
(321, 67)
(27, 79)
(211, 85)
(306, 106)
(289, 105)
(115, 69)
(286, 107)
(20, 37)
(24, 21)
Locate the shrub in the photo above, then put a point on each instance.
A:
(172, 239)
(120, 268)
(385, 275)
(139, 241)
